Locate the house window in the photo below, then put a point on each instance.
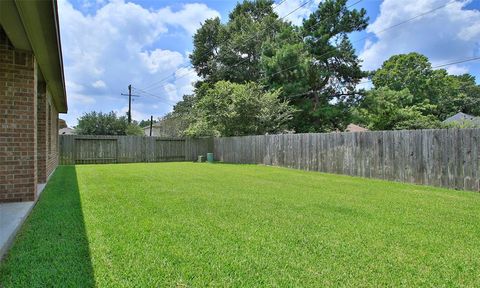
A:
(49, 129)
(20, 58)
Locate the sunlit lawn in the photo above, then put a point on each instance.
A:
(197, 225)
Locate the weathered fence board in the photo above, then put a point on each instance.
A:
(82, 149)
(170, 150)
(445, 157)
(94, 150)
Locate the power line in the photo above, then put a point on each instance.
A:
(370, 80)
(417, 16)
(363, 38)
(150, 86)
(190, 65)
(291, 12)
(438, 66)
(245, 42)
(453, 62)
(163, 100)
(457, 62)
(310, 27)
(244, 60)
(366, 37)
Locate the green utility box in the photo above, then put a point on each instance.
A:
(210, 157)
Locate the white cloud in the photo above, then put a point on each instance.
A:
(181, 84)
(116, 44)
(137, 114)
(76, 99)
(161, 59)
(447, 34)
(365, 84)
(185, 77)
(190, 17)
(296, 17)
(456, 69)
(76, 96)
(99, 84)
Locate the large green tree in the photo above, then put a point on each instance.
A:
(314, 65)
(460, 93)
(232, 51)
(320, 69)
(411, 71)
(449, 93)
(386, 109)
(409, 94)
(232, 109)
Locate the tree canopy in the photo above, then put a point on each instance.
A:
(410, 94)
(312, 72)
(99, 123)
(232, 51)
(232, 109)
(322, 85)
(313, 67)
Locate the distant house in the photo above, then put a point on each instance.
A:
(62, 123)
(462, 119)
(66, 131)
(355, 128)
(166, 127)
(460, 116)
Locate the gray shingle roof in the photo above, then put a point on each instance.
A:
(459, 117)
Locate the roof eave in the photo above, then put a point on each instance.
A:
(38, 18)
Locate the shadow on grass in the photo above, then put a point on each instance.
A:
(52, 249)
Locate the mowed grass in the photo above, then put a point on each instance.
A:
(197, 225)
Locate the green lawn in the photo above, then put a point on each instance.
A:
(197, 225)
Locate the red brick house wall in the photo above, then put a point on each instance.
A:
(41, 132)
(28, 127)
(18, 155)
(52, 137)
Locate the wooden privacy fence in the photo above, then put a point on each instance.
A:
(445, 157)
(80, 149)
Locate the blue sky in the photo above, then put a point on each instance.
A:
(110, 44)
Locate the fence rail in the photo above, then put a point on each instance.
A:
(82, 149)
(445, 157)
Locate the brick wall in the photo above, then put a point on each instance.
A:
(42, 132)
(52, 135)
(18, 122)
(47, 134)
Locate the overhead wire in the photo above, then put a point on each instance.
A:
(453, 62)
(366, 37)
(244, 60)
(150, 86)
(355, 41)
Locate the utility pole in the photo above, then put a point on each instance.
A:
(130, 102)
(151, 124)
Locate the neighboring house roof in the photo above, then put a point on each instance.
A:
(459, 117)
(33, 26)
(66, 131)
(355, 128)
(166, 127)
(156, 124)
(62, 123)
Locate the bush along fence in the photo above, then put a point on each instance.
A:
(81, 149)
(445, 157)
